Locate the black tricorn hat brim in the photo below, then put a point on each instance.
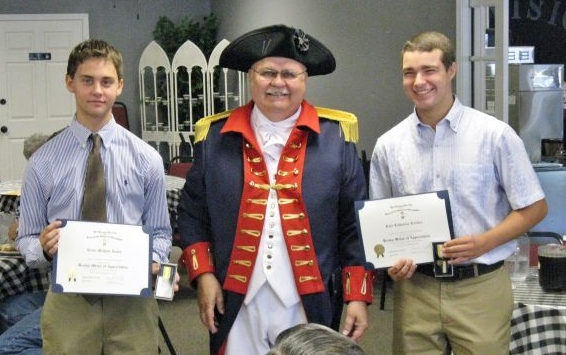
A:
(278, 41)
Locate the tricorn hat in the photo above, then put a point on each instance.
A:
(278, 41)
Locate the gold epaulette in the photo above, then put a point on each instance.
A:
(202, 125)
(348, 122)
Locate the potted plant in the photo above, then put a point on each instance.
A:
(171, 36)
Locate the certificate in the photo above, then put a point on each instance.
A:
(102, 258)
(404, 227)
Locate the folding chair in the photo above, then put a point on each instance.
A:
(120, 113)
(379, 274)
(179, 165)
(165, 335)
(185, 150)
(366, 166)
(178, 168)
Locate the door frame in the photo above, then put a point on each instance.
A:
(472, 55)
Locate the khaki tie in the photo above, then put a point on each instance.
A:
(94, 198)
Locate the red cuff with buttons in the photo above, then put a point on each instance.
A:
(358, 284)
(197, 259)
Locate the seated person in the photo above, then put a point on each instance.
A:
(31, 144)
(14, 308)
(314, 339)
(20, 314)
(24, 337)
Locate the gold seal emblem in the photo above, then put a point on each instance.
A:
(379, 249)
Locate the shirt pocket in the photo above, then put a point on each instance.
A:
(129, 194)
(473, 181)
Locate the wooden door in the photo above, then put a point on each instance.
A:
(33, 98)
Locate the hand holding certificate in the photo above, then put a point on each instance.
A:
(404, 227)
(102, 258)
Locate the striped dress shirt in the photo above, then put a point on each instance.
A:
(52, 187)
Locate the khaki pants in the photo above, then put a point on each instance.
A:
(113, 325)
(469, 317)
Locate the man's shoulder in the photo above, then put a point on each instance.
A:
(480, 119)
(131, 147)
(203, 125)
(208, 120)
(347, 120)
(56, 146)
(123, 133)
(399, 130)
(335, 115)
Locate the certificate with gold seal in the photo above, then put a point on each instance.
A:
(102, 258)
(404, 227)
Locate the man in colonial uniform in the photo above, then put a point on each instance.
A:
(267, 215)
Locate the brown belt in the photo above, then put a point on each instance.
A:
(461, 272)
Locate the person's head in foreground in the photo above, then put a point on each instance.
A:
(314, 339)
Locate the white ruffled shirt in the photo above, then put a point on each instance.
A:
(273, 264)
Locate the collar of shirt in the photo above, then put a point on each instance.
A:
(268, 132)
(453, 116)
(81, 133)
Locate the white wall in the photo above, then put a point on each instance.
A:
(126, 24)
(365, 36)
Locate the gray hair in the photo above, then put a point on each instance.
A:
(33, 143)
(314, 339)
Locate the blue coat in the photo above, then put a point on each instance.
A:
(332, 180)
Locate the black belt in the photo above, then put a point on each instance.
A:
(461, 272)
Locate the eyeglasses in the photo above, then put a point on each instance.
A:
(270, 75)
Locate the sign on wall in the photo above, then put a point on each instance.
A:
(542, 25)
